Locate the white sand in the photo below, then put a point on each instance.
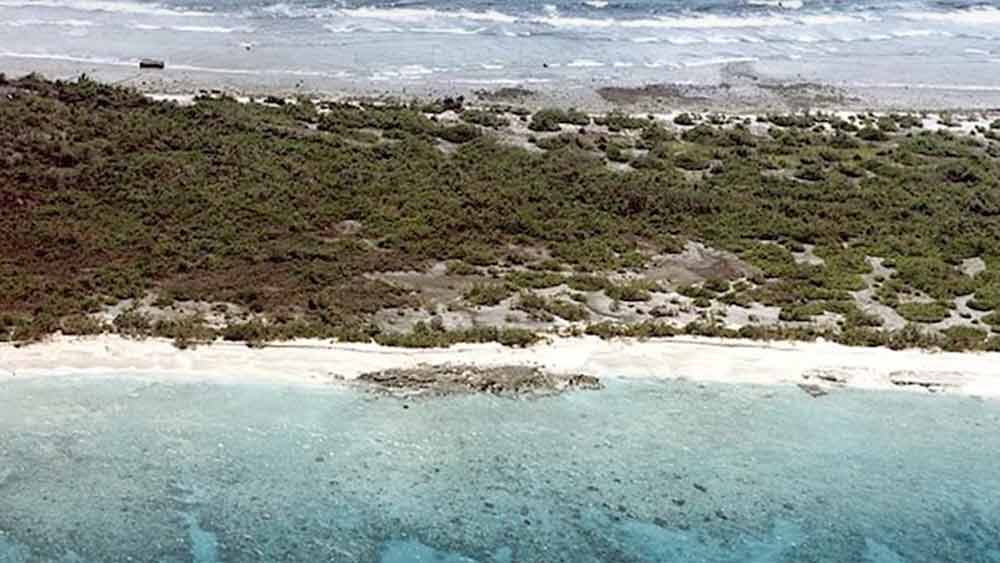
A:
(699, 359)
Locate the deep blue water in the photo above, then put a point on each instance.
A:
(918, 43)
(112, 469)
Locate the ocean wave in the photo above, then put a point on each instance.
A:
(782, 4)
(719, 61)
(501, 81)
(926, 86)
(447, 30)
(584, 63)
(907, 33)
(190, 28)
(362, 28)
(972, 16)
(667, 22)
(102, 6)
(596, 4)
(55, 23)
(424, 14)
(68, 58)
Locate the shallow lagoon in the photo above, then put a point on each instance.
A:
(112, 468)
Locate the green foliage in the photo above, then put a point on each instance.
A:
(460, 268)
(923, 312)
(486, 294)
(934, 277)
(638, 290)
(108, 195)
(484, 118)
(617, 120)
(872, 134)
(550, 119)
(426, 335)
(647, 329)
(588, 283)
(535, 279)
(543, 309)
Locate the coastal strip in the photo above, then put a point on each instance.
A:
(817, 365)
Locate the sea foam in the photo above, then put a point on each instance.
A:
(103, 6)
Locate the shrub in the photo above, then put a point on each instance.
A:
(460, 133)
(550, 119)
(685, 119)
(632, 291)
(872, 134)
(486, 294)
(923, 312)
(485, 118)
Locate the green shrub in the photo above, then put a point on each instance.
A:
(923, 312)
(550, 119)
(632, 291)
(486, 294)
(484, 118)
(460, 133)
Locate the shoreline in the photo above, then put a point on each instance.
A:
(732, 88)
(814, 366)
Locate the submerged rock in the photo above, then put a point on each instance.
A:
(813, 390)
(451, 380)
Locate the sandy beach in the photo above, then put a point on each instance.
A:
(313, 362)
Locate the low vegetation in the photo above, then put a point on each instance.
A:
(291, 213)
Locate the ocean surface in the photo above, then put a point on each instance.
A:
(469, 43)
(142, 469)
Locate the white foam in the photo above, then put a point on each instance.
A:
(622, 64)
(446, 30)
(783, 4)
(721, 39)
(68, 58)
(123, 7)
(676, 22)
(972, 16)
(502, 81)
(596, 3)
(905, 33)
(585, 63)
(55, 23)
(489, 66)
(926, 86)
(414, 70)
(680, 40)
(826, 19)
(421, 14)
(190, 28)
(369, 28)
(719, 61)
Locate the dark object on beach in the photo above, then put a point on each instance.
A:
(151, 63)
(449, 380)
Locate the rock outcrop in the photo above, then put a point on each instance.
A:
(452, 380)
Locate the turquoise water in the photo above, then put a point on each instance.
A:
(132, 469)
